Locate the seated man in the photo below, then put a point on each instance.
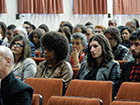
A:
(13, 91)
(119, 50)
(131, 69)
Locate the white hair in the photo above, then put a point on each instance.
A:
(22, 31)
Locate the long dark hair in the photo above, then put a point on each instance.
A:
(26, 48)
(106, 50)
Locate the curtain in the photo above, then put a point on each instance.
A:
(90, 6)
(126, 7)
(40, 6)
(3, 6)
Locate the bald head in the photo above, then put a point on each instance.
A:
(6, 61)
(6, 52)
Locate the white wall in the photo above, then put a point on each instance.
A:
(53, 20)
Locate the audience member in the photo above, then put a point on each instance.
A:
(100, 63)
(13, 91)
(131, 70)
(99, 29)
(112, 22)
(79, 28)
(114, 37)
(131, 24)
(3, 30)
(79, 44)
(35, 38)
(56, 49)
(69, 25)
(89, 32)
(10, 32)
(66, 31)
(125, 35)
(28, 26)
(43, 28)
(19, 31)
(24, 66)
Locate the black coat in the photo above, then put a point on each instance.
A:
(15, 92)
(126, 69)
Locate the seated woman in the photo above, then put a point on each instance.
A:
(125, 35)
(79, 44)
(35, 39)
(55, 47)
(24, 66)
(100, 64)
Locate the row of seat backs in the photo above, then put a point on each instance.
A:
(125, 103)
(84, 88)
(63, 100)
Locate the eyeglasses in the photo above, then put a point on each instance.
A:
(97, 31)
(18, 45)
(124, 33)
(27, 27)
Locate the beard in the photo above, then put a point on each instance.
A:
(136, 55)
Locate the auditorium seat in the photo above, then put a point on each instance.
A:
(125, 103)
(129, 91)
(63, 100)
(91, 89)
(46, 87)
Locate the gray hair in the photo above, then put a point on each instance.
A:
(81, 36)
(22, 31)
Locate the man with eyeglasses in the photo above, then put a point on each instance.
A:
(131, 69)
(29, 27)
(10, 32)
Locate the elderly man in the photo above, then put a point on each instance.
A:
(13, 91)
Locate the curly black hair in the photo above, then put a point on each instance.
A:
(57, 42)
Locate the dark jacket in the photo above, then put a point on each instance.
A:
(110, 72)
(119, 52)
(126, 69)
(15, 92)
